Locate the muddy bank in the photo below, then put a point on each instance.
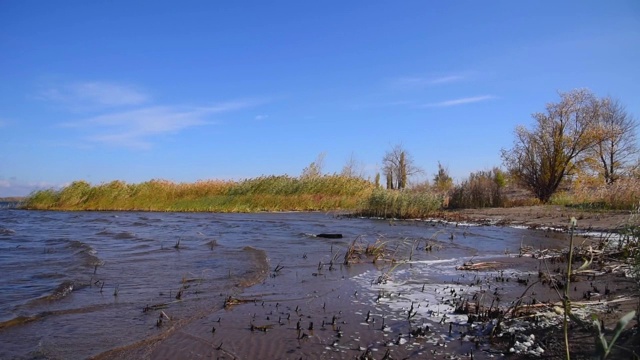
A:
(549, 216)
(478, 307)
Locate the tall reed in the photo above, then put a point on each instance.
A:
(623, 194)
(400, 204)
(267, 193)
(481, 189)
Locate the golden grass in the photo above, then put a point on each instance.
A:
(624, 194)
(267, 193)
(400, 204)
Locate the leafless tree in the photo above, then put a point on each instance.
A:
(353, 168)
(541, 158)
(615, 150)
(398, 166)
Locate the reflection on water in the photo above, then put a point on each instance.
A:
(76, 284)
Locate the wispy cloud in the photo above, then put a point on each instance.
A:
(261, 117)
(446, 79)
(94, 95)
(382, 104)
(460, 101)
(420, 81)
(136, 128)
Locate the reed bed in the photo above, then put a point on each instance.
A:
(400, 204)
(623, 194)
(267, 193)
(481, 189)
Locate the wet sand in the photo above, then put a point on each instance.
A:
(328, 315)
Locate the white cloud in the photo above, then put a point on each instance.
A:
(461, 101)
(135, 128)
(261, 117)
(95, 95)
(446, 79)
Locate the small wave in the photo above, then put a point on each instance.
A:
(21, 320)
(61, 291)
(86, 253)
(259, 273)
(6, 232)
(47, 276)
(124, 235)
(147, 219)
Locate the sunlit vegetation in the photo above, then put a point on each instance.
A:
(401, 204)
(481, 189)
(579, 134)
(267, 193)
(581, 152)
(624, 194)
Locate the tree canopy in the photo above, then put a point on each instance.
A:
(572, 134)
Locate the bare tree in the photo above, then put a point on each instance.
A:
(615, 148)
(542, 157)
(353, 168)
(398, 166)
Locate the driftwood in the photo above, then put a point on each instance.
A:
(330, 236)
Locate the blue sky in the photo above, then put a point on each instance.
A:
(137, 90)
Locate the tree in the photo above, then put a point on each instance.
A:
(442, 181)
(398, 166)
(353, 168)
(615, 148)
(314, 170)
(389, 179)
(544, 156)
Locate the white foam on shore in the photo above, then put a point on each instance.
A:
(394, 293)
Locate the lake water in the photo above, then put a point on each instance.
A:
(76, 284)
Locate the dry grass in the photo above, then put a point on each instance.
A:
(624, 194)
(400, 204)
(481, 189)
(268, 193)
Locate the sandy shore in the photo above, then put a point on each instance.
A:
(345, 313)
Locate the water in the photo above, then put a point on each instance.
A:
(76, 284)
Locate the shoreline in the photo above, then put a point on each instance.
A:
(545, 216)
(334, 317)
